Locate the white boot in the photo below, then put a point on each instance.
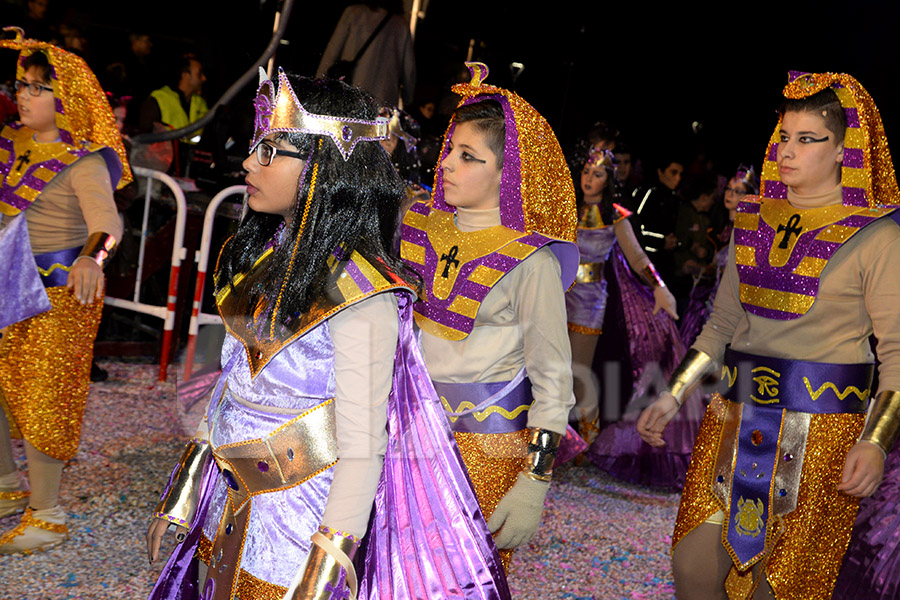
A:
(39, 530)
(14, 495)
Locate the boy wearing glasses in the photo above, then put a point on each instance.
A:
(58, 166)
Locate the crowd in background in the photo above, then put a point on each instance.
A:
(675, 193)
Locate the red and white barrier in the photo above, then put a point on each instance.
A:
(167, 312)
(201, 257)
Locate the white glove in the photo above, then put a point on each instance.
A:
(518, 514)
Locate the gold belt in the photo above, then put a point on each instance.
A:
(590, 272)
(295, 452)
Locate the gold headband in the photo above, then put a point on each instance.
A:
(283, 112)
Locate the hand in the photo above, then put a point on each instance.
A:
(863, 470)
(691, 267)
(518, 514)
(86, 280)
(664, 300)
(653, 420)
(155, 534)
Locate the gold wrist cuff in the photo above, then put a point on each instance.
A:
(99, 247)
(329, 568)
(179, 503)
(689, 371)
(542, 448)
(883, 425)
(650, 276)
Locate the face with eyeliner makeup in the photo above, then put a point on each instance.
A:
(471, 170)
(809, 155)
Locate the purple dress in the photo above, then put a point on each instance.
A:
(586, 302)
(426, 537)
(654, 350)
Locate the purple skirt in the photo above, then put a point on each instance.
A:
(654, 350)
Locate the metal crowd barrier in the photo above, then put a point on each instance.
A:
(201, 257)
(167, 312)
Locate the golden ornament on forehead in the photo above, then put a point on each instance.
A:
(282, 112)
(82, 108)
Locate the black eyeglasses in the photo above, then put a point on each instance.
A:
(265, 152)
(34, 88)
(736, 192)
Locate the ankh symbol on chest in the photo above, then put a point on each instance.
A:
(792, 228)
(450, 259)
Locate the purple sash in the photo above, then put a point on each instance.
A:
(496, 407)
(51, 264)
(768, 387)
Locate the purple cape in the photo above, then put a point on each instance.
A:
(427, 537)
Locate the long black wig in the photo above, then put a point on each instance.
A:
(355, 205)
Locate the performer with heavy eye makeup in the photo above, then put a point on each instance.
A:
(324, 432)
(797, 435)
(59, 165)
(495, 250)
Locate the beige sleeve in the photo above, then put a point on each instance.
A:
(881, 290)
(727, 312)
(632, 250)
(539, 302)
(365, 340)
(91, 183)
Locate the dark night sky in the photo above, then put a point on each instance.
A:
(652, 71)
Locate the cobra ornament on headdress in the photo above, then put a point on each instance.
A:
(536, 192)
(83, 113)
(867, 174)
(283, 112)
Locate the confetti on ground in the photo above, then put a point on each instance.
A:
(600, 539)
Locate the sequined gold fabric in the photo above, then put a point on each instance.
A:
(87, 114)
(583, 330)
(494, 461)
(548, 196)
(805, 560)
(45, 364)
(697, 500)
(880, 184)
(248, 587)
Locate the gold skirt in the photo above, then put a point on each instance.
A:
(45, 367)
(494, 461)
(806, 558)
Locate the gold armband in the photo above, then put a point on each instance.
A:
(99, 247)
(179, 502)
(883, 425)
(650, 276)
(689, 371)
(542, 449)
(328, 572)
